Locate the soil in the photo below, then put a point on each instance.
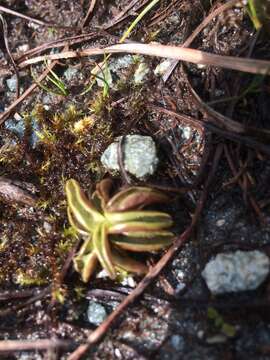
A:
(40, 149)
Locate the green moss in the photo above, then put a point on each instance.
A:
(23, 278)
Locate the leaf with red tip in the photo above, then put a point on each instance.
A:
(135, 198)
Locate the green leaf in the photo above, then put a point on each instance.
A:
(75, 225)
(146, 242)
(135, 198)
(82, 212)
(102, 249)
(228, 329)
(146, 217)
(139, 226)
(85, 265)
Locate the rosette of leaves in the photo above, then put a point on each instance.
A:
(112, 226)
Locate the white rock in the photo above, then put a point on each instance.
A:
(238, 271)
(96, 313)
(140, 73)
(12, 83)
(162, 68)
(139, 156)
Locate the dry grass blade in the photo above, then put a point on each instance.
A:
(42, 344)
(194, 56)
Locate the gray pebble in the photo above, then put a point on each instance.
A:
(237, 271)
(96, 313)
(139, 156)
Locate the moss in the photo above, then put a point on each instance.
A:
(27, 279)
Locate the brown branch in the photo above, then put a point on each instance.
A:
(123, 14)
(67, 41)
(41, 344)
(16, 192)
(252, 66)
(15, 308)
(89, 12)
(33, 20)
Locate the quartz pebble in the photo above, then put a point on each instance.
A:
(96, 313)
(237, 271)
(139, 155)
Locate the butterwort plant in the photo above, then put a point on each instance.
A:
(113, 226)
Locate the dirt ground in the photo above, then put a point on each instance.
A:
(194, 114)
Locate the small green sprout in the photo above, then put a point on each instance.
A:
(55, 80)
(259, 13)
(110, 226)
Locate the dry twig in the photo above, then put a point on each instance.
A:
(194, 56)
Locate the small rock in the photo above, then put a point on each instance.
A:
(129, 281)
(122, 62)
(71, 73)
(47, 227)
(17, 126)
(103, 77)
(220, 222)
(140, 73)
(162, 68)
(96, 313)
(12, 83)
(238, 271)
(178, 342)
(216, 339)
(23, 48)
(139, 156)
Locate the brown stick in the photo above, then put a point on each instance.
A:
(31, 19)
(42, 344)
(252, 66)
(89, 12)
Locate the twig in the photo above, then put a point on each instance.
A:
(16, 192)
(121, 160)
(252, 66)
(12, 295)
(224, 121)
(33, 20)
(15, 308)
(123, 14)
(251, 199)
(5, 35)
(89, 12)
(41, 344)
(67, 41)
